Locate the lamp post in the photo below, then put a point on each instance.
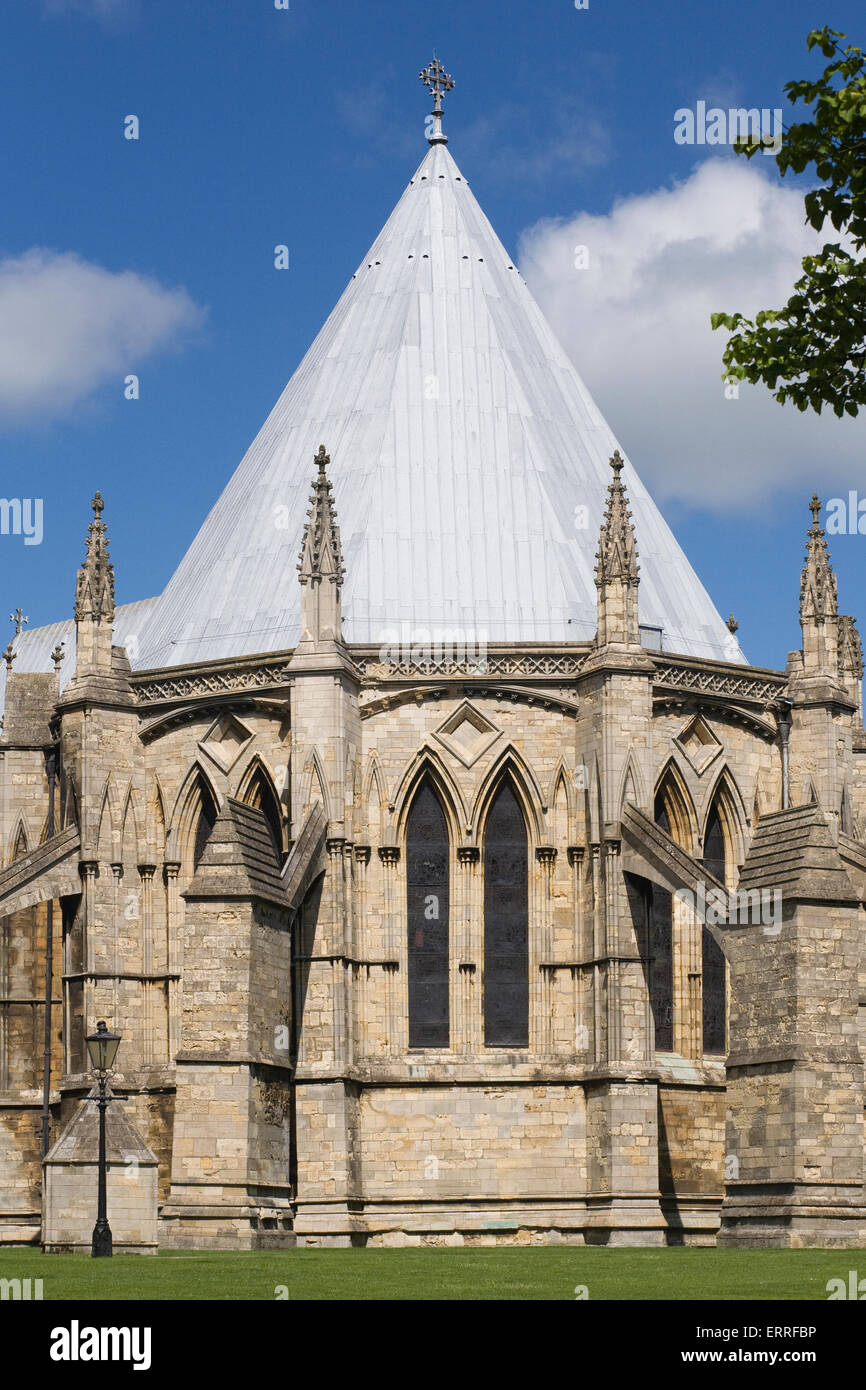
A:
(102, 1049)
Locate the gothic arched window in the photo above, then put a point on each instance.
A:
(712, 956)
(260, 794)
(427, 891)
(204, 825)
(506, 923)
(661, 954)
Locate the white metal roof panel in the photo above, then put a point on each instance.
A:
(462, 442)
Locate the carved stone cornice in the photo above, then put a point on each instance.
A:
(712, 678)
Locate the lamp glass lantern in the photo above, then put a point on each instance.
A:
(102, 1049)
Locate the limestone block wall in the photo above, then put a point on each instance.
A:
(212, 1122)
(858, 788)
(759, 1138)
(795, 1079)
(22, 997)
(622, 1139)
(23, 798)
(329, 1141)
(821, 753)
(692, 1141)
(473, 1143)
(70, 1207)
(23, 812)
(20, 1169)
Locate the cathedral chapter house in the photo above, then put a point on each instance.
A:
(448, 872)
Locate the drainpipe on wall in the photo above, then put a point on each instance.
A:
(783, 718)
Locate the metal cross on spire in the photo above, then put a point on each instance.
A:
(438, 82)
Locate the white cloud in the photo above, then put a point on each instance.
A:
(636, 323)
(68, 326)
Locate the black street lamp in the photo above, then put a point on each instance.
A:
(102, 1049)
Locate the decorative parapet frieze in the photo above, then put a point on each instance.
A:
(759, 686)
(500, 666)
(158, 687)
(272, 672)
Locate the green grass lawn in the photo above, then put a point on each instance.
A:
(540, 1272)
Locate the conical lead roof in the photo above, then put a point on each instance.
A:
(469, 465)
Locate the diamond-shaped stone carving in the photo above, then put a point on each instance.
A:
(467, 734)
(699, 743)
(225, 740)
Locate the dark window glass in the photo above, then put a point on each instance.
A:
(261, 796)
(661, 956)
(712, 957)
(506, 924)
(427, 914)
(206, 821)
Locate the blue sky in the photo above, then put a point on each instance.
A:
(302, 127)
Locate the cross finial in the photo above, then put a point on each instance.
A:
(438, 82)
(815, 508)
(18, 619)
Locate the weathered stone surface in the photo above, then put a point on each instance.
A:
(229, 878)
(71, 1180)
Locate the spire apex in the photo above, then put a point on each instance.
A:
(819, 606)
(321, 559)
(94, 589)
(321, 554)
(438, 82)
(616, 574)
(617, 553)
(818, 600)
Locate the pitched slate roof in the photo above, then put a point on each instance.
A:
(468, 460)
(793, 851)
(239, 859)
